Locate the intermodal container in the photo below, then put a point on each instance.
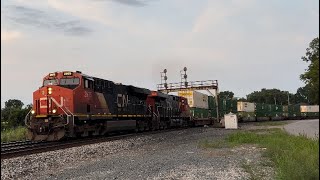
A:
(309, 108)
(294, 111)
(245, 107)
(200, 113)
(195, 99)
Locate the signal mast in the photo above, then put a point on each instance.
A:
(185, 85)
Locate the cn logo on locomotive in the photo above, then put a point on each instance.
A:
(122, 100)
(43, 102)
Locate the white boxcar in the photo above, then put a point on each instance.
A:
(245, 107)
(195, 99)
(309, 108)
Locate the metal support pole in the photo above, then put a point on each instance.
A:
(217, 102)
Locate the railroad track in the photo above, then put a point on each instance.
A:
(21, 148)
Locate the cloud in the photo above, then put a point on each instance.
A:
(89, 10)
(33, 17)
(121, 19)
(217, 12)
(131, 2)
(9, 35)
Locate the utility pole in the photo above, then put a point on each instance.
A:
(288, 99)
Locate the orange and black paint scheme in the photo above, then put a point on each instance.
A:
(72, 104)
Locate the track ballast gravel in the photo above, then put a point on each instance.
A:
(168, 155)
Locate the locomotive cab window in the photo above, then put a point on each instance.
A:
(69, 81)
(88, 84)
(50, 82)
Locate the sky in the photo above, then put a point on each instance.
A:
(246, 45)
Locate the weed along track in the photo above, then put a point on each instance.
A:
(294, 157)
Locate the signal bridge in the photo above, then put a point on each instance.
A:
(188, 86)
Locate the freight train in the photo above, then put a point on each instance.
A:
(248, 111)
(72, 104)
(260, 112)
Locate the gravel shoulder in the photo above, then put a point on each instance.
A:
(168, 155)
(309, 128)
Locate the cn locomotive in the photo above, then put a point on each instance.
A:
(73, 104)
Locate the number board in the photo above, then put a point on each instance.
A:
(52, 74)
(67, 73)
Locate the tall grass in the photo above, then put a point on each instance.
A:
(16, 134)
(295, 157)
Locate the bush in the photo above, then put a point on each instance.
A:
(16, 134)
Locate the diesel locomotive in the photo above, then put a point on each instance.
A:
(73, 104)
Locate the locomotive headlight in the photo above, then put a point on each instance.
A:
(54, 111)
(32, 112)
(49, 90)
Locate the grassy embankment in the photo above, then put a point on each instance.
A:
(293, 157)
(16, 134)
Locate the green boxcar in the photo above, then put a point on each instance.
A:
(200, 113)
(246, 116)
(294, 111)
(310, 115)
(275, 108)
(211, 102)
(277, 112)
(276, 115)
(285, 112)
(263, 111)
(225, 106)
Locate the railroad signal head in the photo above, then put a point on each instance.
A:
(185, 68)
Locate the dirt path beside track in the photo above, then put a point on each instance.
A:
(309, 128)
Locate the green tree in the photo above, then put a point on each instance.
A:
(311, 76)
(13, 103)
(13, 114)
(303, 95)
(271, 96)
(226, 95)
(242, 99)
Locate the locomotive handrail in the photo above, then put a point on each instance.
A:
(26, 119)
(65, 111)
(72, 116)
(158, 111)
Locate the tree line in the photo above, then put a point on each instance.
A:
(13, 114)
(272, 96)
